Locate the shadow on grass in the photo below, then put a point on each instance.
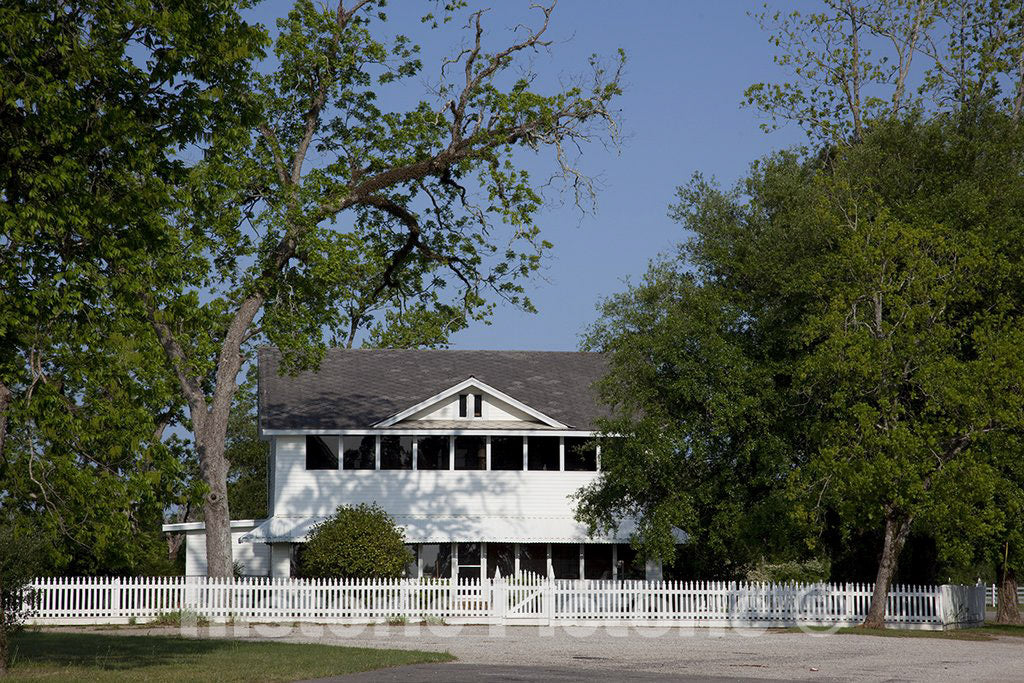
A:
(110, 652)
(114, 657)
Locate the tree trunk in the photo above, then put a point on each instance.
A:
(1008, 612)
(896, 530)
(214, 468)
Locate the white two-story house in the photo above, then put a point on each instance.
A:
(475, 454)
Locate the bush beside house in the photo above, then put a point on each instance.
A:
(360, 541)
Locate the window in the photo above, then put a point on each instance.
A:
(533, 557)
(360, 452)
(506, 452)
(436, 560)
(469, 560)
(478, 405)
(542, 453)
(597, 560)
(432, 453)
(396, 452)
(579, 457)
(501, 557)
(565, 560)
(470, 453)
(321, 453)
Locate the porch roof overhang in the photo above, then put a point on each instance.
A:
(459, 528)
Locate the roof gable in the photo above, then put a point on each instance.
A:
(463, 386)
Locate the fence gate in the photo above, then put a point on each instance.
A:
(527, 599)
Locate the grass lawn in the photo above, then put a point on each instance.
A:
(987, 632)
(100, 657)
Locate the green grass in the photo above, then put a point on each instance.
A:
(100, 657)
(987, 632)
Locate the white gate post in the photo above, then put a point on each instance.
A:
(115, 597)
(549, 600)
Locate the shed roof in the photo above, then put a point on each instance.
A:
(357, 388)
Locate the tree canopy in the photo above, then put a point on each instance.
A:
(843, 331)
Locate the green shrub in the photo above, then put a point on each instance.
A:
(359, 541)
(809, 571)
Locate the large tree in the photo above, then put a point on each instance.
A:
(97, 100)
(334, 214)
(863, 306)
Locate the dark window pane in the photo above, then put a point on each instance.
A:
(478, 405)
(506, 452)
(469, 553)
(597, 561)
(321, 453)
(470, 453)
(437, 560)
(533, 557)
(469, 573)
(360, 452)
(630, 565)
(501, 557)
(542, 453)
(565, 560)
(432, 453)
(462, 405)
(578, 456)
(396, 452)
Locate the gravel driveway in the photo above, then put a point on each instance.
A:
(742, 653)
(604, 652)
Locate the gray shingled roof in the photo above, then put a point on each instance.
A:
(356, 388)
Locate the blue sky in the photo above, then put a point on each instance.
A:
(688, 65)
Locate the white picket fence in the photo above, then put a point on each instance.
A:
(528, 600)
(992, 595)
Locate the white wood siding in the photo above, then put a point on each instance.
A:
(300, 492)
(254, 557)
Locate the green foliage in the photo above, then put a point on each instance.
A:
(850, 62)
(97, 101)
(360, 541)
(839, 346)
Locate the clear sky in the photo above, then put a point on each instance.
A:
(688, 65)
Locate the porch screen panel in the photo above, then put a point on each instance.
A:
(501, 556)
(432, 453)
(437, 560)
(506, 452)
(396, 452)
(360, 452)
(565, 560)
(470, 453)
(533, 557)
(321, 452)
(597, 560)
(630, 565)
(542, 453)
(579, 457)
